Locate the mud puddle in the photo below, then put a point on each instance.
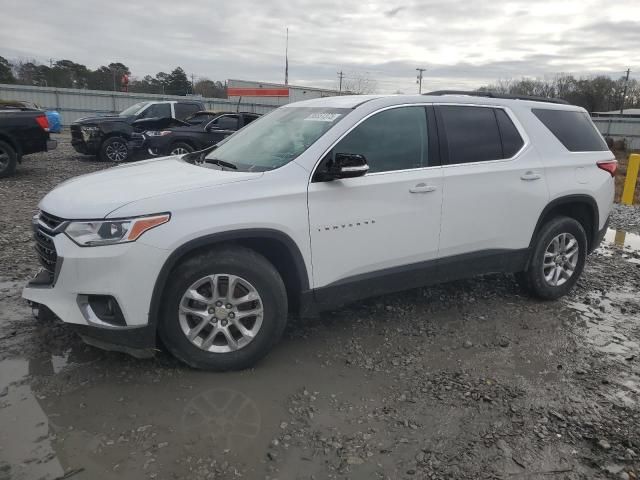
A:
(628, 242)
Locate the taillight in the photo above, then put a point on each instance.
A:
(43, 122)
(610, 166)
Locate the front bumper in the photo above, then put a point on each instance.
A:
(126, 272)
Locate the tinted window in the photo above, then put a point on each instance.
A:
(157, 110)
(574, 129)
(394, 139)
(511, 139)
(249, 118)
(472, 133)
(183, 110)
(226, 122)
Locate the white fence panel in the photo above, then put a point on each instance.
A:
(75, 103)
(618, 128)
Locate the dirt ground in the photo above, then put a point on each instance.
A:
(467, 380)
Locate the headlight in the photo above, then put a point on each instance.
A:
(156, 133)
(109, 232)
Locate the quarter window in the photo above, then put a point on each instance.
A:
(394, 139)
(573, 128)
(511, 139)
(472, 133)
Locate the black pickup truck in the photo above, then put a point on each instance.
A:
(22, 131)
(115, 137)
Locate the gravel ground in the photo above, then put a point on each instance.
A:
(466, 380)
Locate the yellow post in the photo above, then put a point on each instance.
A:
(631, 178)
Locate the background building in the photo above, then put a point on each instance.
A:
(273, 93)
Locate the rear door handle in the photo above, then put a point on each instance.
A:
(529, 176)
(422, 188)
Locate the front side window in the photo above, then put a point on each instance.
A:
(184, 110)
(226, 122)
(472, 133)
(276, 139)
(157, 110)
(394, 139)
(133, 109)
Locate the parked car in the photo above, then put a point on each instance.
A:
(200, 131)
(114, 137)
(23, 131)
(318, 204)
(53, 117)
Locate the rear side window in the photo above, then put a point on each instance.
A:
(472, 133)
(574, 129)
(511, 139)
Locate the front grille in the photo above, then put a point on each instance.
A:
(45, 227)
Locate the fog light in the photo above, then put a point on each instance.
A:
(101, 310)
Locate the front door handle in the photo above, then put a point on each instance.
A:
(529, 176)
(422, 188)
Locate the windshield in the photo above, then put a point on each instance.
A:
(277, 138)
(133, 109)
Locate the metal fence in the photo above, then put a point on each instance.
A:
(73, 103)
(620, 128)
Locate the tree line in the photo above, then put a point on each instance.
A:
(595, 94)
(115, 77)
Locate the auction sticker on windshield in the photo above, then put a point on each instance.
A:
(323, 117)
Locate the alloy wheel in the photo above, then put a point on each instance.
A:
(221, 313)
(117, 152)
(560, 259)
(179, 151)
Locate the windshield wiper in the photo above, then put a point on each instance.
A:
(222, 163)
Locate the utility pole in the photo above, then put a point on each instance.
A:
(624, 91)
(286, 60)
(193, 88)
(419, 81)
(340, 75)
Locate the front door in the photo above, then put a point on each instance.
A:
(387, 220)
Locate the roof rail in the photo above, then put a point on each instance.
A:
(499, 95)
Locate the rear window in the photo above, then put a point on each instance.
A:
(574, 129)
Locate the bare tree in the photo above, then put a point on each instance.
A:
(359, 85)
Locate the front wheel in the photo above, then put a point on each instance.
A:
(115, 150)
(181, 148)
(223, 310)
(558, 258)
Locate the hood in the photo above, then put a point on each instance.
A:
(104, 118)
(97, 194)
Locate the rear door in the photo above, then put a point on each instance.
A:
(494, 185)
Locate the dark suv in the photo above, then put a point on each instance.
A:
(200, 131)
(114, 137)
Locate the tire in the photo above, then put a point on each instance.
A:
(254, 271)
(8, 160)
(114, 149)
(553, 280)
(180, 148)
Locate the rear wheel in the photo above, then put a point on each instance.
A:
(8, 160)
(224, 310)
(115, 150)
(180, 148)
(558, 259)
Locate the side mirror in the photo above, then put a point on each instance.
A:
(347, 165)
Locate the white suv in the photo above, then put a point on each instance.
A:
(315, 205)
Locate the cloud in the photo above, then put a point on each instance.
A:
(462, 44)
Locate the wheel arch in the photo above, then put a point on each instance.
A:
(12, 143)
(276, 246)
(582, 208)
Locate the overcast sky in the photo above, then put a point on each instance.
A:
(461, 43)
